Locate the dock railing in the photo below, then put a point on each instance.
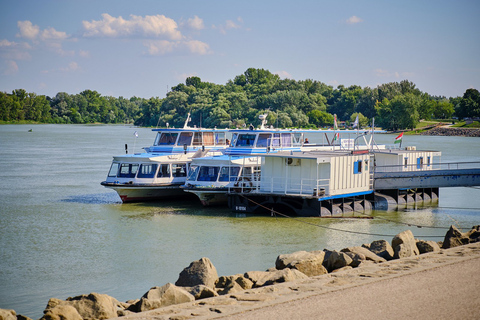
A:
(426, 166)
(281, 186)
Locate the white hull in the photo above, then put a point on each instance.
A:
(137, 193)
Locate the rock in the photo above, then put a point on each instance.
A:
(61, 312)
(202, 292)
(91, 306)
(309, 263)
(8, 314)
(368, 254)
(20, 317)
(382, 249)
(163, 296)
(198, 272)
(261, 279)
(454, 238)
(404, 245)
(473, 234)
(357, 259)
(336, 260)
(95, 306)
(289, 260)
(427, 246)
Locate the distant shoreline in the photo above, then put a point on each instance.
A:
(446, 131)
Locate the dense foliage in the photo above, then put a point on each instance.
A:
(288, 103)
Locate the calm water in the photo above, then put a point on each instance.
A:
(62, 234)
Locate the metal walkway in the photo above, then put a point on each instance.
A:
(460, 174)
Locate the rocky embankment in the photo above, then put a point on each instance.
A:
(445, 131)
(200, 280)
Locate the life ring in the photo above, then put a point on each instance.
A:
(243, 184)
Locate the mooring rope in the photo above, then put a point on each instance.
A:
(326, 227)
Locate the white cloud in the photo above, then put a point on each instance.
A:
(148, 26)
(230, 24)
(52, 34)
(196, 23)
(354, 20)
(162, 47)
(11, 50)
(11, 67)
(72, 67)
(284, 74)
(84, 54)
(27, 30)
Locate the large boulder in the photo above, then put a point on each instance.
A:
(158, 297)
(87, 306)
(336, 260)
(232, 284)
(474, 234)
(198, 272)
(8, 314)
(454, 238)
(309, 263)
(261, 279)
(404, 245)
(369, 255)
(427, 246)
(61, 312)
(202, 292)
(381, 248)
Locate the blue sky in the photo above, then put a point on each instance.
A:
(141, 48)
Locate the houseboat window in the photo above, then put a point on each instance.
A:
(297, 139)
(419, 163)
(428, 161)
(276, 140)
(113, 170)
(263, 140)
(286, 140)
(127, 170)
(245, 140)
(185, 138)
(247, 172)
(197, 139)
(234, 139)
(179, 169)
(168, 138)
(192, 173)
(219, 138)
(405, 162)
(164, 171)
(147, 170)
(357, 167)
(208, 174)
(208, 138)
(229, 173)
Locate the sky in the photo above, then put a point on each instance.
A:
(142, 48)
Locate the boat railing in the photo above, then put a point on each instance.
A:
(427, 166)
(293, 187)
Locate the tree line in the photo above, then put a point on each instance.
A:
(238, 103)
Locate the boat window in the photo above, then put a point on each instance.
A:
(168, 138)
(297, 139)
(208, 174)
(219, 138)
(113, 170)
(192, 173)
(234, 139)
(357, 167)
(428, 161)
(405, 162)
(197, 139)
(147, 170)
(229, 173)
(245, 140)
(276, 140)
(419, 163)
(246, 172)
(208, 138)
(286, 140)
(185, 139)
(179, 169)
(127, 170)
(164, 171)
(263, 140)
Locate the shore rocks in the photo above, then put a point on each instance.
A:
(404, 245)
(8, 314)
(198, 272)
(163, 296)
(381, 248)
(455, 237)
(443, 131)
(427, 246)
(309, 263)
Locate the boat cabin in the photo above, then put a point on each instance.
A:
(408, 159)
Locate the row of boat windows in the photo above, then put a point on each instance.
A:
(150, 170)
(186, 138)
(264, 140)
(207, 173)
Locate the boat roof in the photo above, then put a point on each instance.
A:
(305, 131)
(190, 129)
(320, 156)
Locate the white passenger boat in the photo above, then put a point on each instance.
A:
(162, 169)
(239, 167)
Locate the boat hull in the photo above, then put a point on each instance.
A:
(215, 197)
(140, 193)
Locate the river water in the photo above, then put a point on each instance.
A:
(62, 234)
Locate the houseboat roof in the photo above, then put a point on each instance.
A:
(321, 156)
